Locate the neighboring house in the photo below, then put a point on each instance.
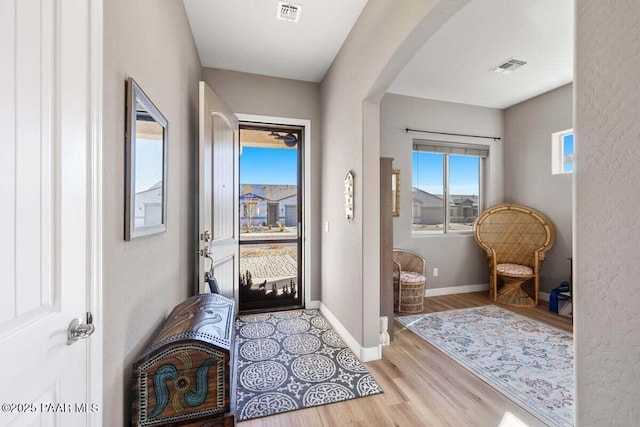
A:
(273, 203)
(463, 209)
(427, 208)
(148, 205)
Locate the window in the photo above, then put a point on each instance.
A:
(447, 183)
(562, 153)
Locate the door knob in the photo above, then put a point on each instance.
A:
(78, 330)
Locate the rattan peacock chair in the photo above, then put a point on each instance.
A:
(515, 239)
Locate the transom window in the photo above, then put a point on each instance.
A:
(447, 185)
(562, 152)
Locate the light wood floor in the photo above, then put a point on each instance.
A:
(422, 386)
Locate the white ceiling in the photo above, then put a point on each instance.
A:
(454, 64)
(244, 35)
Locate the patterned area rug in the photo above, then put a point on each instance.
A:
(527, 361)
(293, 360)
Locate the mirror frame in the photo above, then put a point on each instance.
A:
(395, 192)
(133, 96)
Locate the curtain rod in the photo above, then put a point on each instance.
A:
(495, 138)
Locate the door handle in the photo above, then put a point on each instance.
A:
(78, 330)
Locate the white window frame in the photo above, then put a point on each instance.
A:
(558, 160)
(445, 180)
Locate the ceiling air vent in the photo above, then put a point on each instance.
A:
(508, 66)
(288, 11)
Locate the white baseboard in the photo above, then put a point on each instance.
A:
(368, 354)
(542, 296)
(365, 354)
(312, 305)
(456, 290)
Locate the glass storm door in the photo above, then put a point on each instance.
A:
(270, 207)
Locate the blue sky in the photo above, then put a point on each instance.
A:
(277, 166)
(268, 166)
(568, 151)
(464, 172)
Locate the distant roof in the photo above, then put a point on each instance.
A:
(155, 186)
(250, 196)
(426, 199)
(459, 200)
(426, 193)
(270, 192)
(454, 199)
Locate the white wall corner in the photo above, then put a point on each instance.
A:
(385, 339)
(365, 354)
(451, 290)
(312, 305)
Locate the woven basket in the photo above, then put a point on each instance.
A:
(408, 297)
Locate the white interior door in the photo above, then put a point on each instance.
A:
(45, 125)
(219, 190)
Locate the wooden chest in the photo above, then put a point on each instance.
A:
(183, 377)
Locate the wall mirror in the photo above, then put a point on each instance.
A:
(395, 192)
(146, 165)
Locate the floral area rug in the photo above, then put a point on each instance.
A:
(293, 360)
(527, 361)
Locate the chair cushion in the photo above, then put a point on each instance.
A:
(411, 277)
(514, 269)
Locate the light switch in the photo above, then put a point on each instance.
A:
(326, 226)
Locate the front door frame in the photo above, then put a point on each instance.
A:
(267, 305)
(306, 200)
(94, 276)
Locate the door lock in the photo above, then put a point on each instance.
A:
(206, 236)
(205, 252)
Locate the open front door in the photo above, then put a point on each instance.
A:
(218, 194)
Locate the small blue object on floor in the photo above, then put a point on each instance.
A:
(554, 295)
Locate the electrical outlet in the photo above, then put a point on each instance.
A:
(435, 272)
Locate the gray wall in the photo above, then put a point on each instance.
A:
(145, 278)
(271, 96)
(385, 37)
(607, 295)
(457, 257)
(527, 172)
